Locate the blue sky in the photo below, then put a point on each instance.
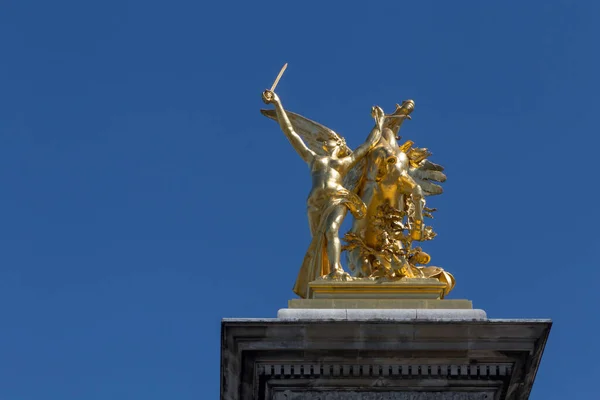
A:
(144, 197)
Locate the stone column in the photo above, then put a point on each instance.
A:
(380, 354)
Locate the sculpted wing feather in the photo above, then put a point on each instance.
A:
(312, 133)
(423, 171)
(354, 177)
(424, 176)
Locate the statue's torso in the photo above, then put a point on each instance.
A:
(326, 177)
(389, 185)
(325, 173)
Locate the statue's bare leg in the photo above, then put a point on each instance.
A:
(334, 245)
(419, 201)
(409, 187)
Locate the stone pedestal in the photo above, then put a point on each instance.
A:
(380, 354)
(380, 304)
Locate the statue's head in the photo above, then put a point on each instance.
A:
(336, 147)
(400, 160)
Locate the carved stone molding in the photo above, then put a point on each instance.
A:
(372, 370)
(367, 395)
(275, 359)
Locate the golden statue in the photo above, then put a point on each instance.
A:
(383, 184)
(395, 181)
(329, 160)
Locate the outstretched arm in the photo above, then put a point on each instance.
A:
(371, 141)
(307, 154)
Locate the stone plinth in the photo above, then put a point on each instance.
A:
(353, 314)
(348, 354)
(381, 303)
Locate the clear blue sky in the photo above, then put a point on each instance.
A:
(144, 197)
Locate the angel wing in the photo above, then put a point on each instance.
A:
(354, 177)
(423, 171)
(312, 133)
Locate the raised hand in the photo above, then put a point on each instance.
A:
(377, 113)
(405, 108)
(269, 97)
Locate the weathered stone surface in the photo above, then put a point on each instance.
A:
(450, 315)
(266, 358)
(381, 303)
(366, 395)
(379, 314)
(310, 313)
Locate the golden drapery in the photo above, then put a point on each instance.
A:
(316, 262)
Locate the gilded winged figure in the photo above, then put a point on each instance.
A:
(330, 160)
